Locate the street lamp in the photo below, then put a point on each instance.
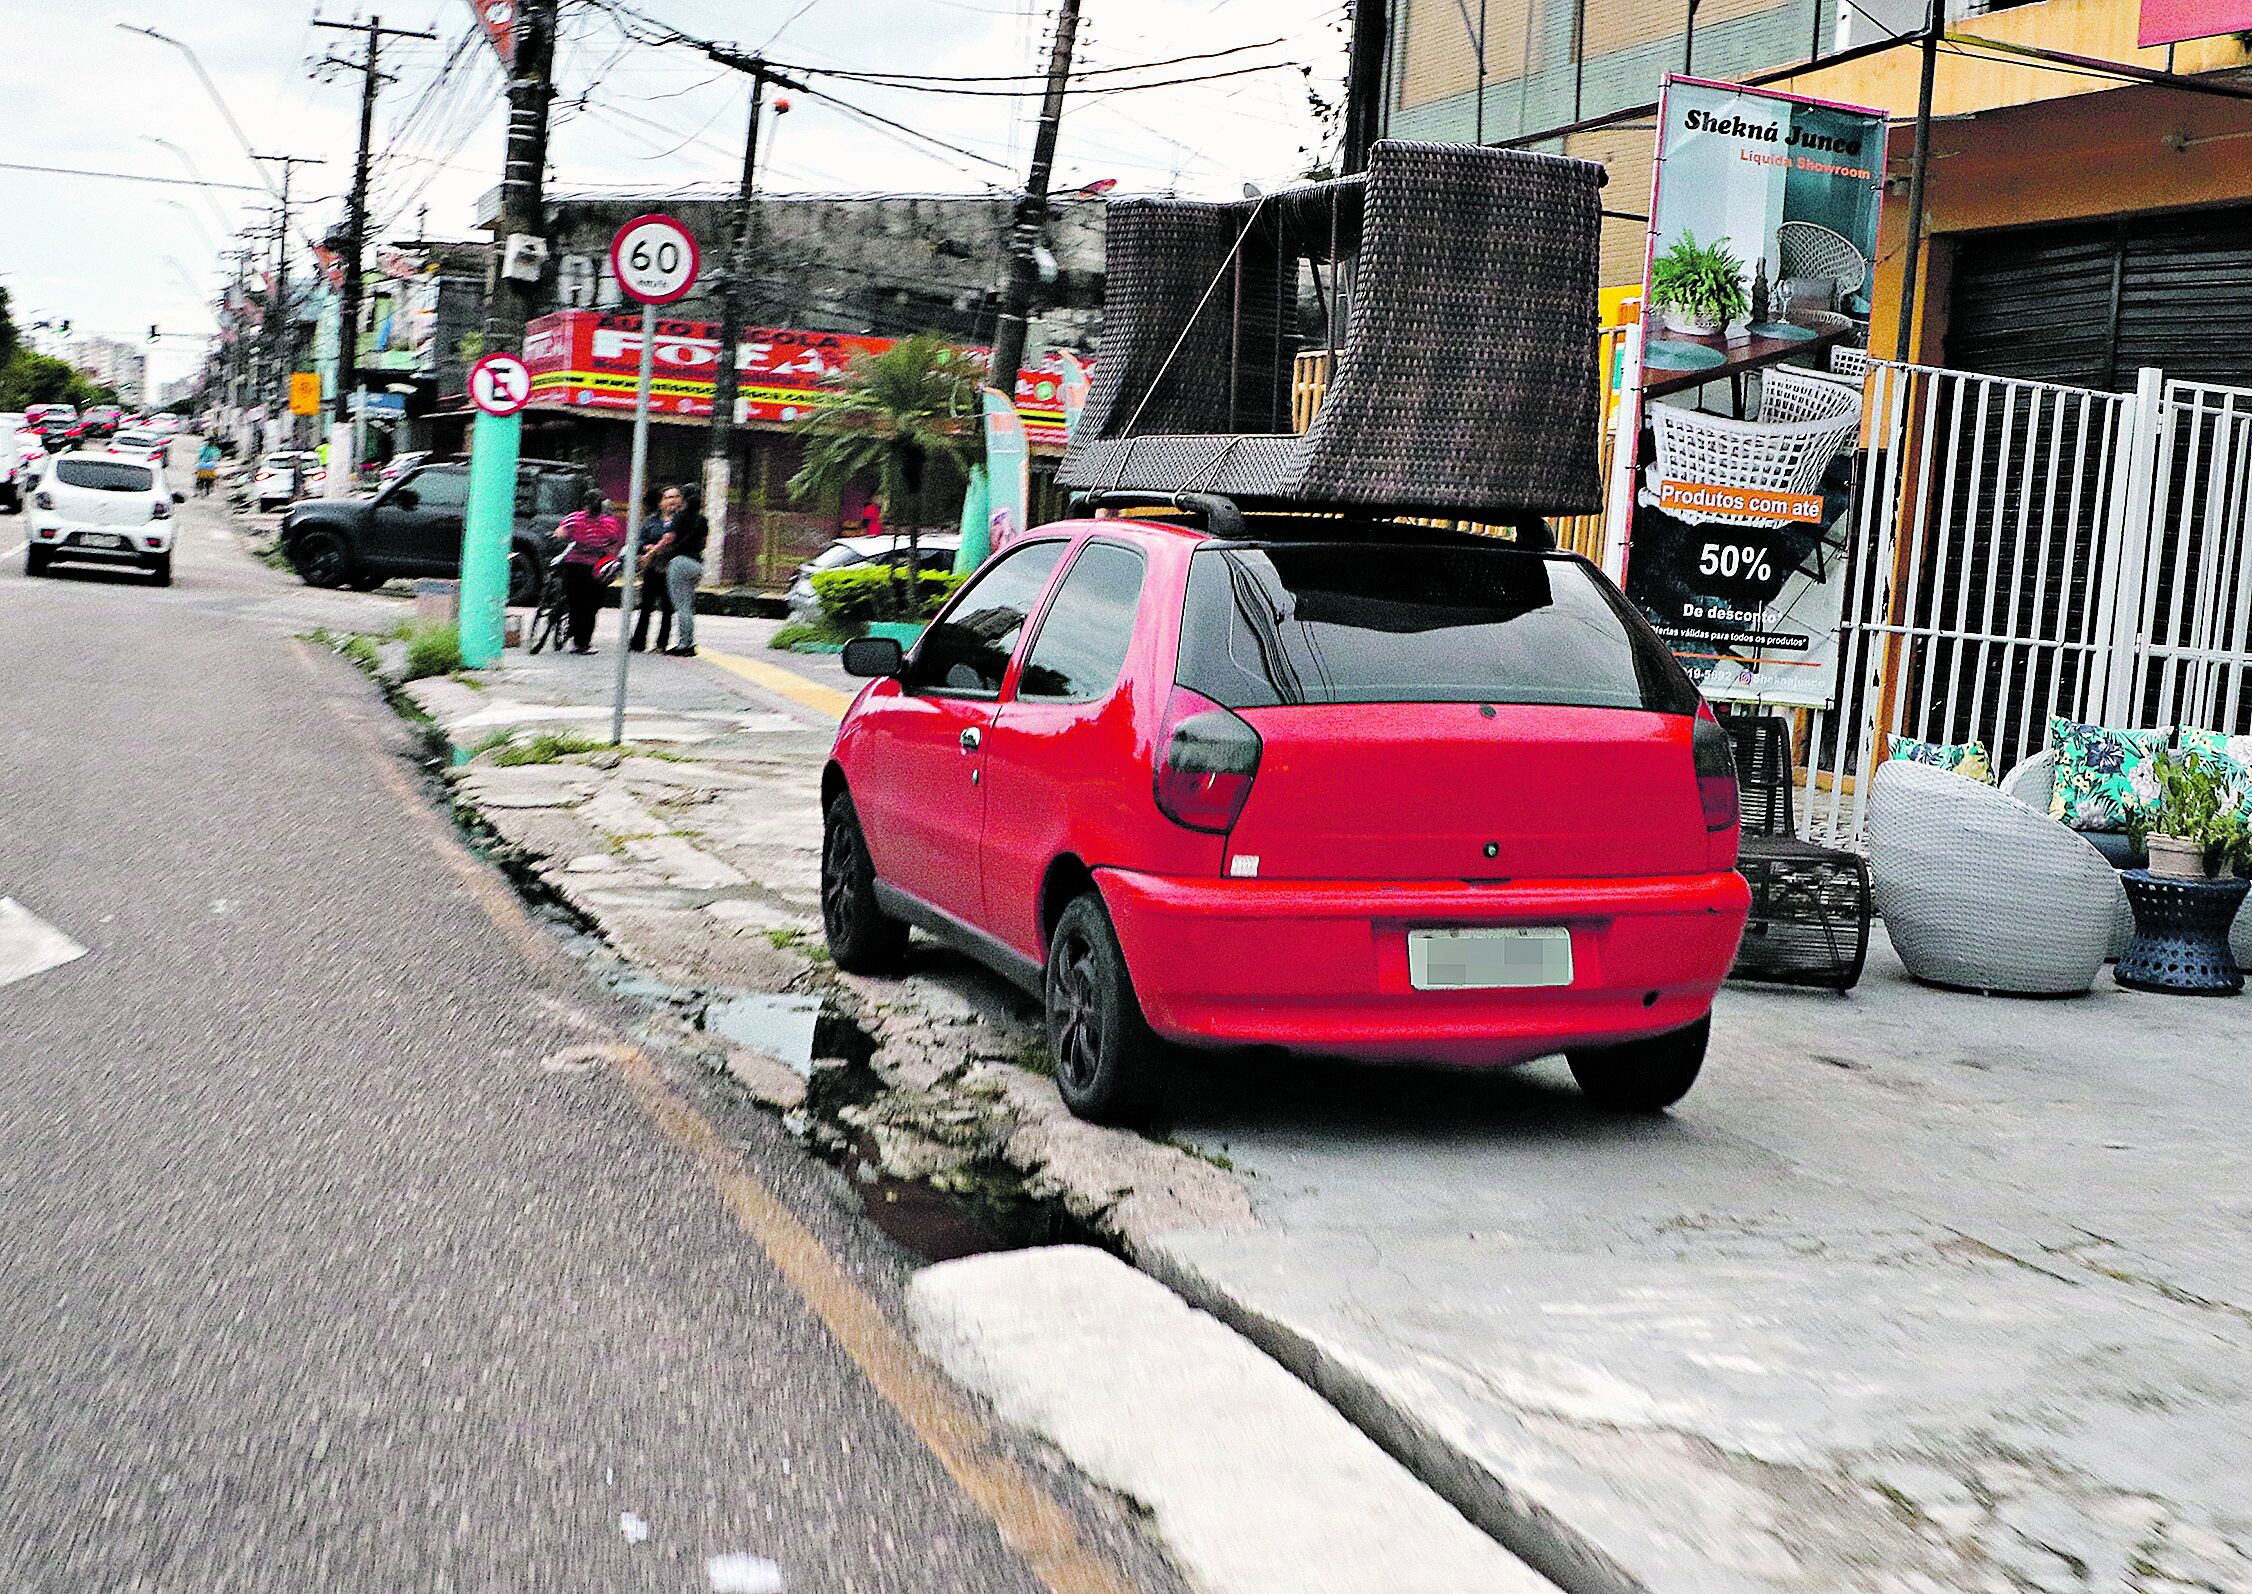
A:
(211, 89)
(188, 161)
(195, 221)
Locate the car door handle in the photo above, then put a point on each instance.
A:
(971, 739)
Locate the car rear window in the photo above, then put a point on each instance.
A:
(103, 475)
(1393, 623)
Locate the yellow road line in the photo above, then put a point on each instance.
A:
(821, 699)
(1030, 1520)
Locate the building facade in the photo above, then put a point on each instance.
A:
(112, 363)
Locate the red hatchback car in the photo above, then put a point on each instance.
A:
(1393, 794)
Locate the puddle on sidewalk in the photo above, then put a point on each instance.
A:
(783, 1027)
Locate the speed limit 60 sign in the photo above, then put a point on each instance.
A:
(654, 259)
(500, 384)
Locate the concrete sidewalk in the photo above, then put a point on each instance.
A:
(1916, 1291)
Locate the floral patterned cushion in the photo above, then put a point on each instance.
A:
(2229, 756)
(1967, 759)
(2104, 777)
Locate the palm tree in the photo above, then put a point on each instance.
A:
(893, 413)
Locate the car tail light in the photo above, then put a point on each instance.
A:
(1716, 770)
(44, 499)
(1208, 760)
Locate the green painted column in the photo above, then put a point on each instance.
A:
(488, 530)
(977, 532)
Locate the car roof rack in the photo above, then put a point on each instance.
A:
(1223, 517)
(1216, 514)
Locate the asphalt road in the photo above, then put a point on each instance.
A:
(332, 1259)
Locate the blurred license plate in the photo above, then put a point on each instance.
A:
(101, 539)
(1453, 960)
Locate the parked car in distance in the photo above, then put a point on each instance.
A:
(58, 425)
(12, 457)
(101, 421)
(936, 550)
(102, 509)
(414, 527)
(284, 475)
(1393, 794)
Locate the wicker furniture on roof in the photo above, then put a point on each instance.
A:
(1467, 380)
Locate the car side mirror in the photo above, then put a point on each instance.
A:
(179, 498)
(873, 657)
(406, 498)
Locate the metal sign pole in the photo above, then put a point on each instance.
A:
(635, 482)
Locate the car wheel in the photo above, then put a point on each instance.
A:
(11, 501)
(322, 560)
(523, 577)
(161, 568)
(1642, 1076)
(35, 561)
(1110, 1064)
(863, 939)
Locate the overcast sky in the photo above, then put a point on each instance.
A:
(113, 257)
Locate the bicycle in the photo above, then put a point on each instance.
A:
(551, 615)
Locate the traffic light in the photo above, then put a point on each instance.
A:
(153, 333)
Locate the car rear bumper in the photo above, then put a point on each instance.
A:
(66, 539)
(1322, 966)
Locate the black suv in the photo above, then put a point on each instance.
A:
(413, 527)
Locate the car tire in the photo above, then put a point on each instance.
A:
(1110, 1065)
(1644, 1076)
(523, 576)
(35, 561)
(322, 559)
(161, 568)
(11, 501)
(863, 939)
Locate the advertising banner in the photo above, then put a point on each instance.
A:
(588, 359)
(2177, 21)
(1008, 471)
(1732, 486)
(498, 19)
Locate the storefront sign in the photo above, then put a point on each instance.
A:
(1730, 491)
(587, 359)
(2173, 21)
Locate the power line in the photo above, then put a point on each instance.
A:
(131, 177)
(1036, 93)
(1041, 77)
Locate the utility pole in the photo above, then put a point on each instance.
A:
(284, 326)
(733, 285)
(344, 457)
(1935, 26)
(1032, 209)
(531, 91)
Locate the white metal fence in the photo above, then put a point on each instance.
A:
(2023, 550)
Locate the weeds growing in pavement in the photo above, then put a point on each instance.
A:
(795, 637)
(432, 649)
(492, 741)
(546, 748)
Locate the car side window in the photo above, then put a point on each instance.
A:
(1087, 629)
(439, 489)
(968, 651)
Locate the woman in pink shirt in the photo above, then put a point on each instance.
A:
(594, 538)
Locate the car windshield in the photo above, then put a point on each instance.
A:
(1403, 623)
(103, 475)
(831, 557)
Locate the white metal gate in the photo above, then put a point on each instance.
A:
(2024, 550)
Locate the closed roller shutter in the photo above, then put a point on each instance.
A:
(2087, 304)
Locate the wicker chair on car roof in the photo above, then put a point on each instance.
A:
(1466, 384)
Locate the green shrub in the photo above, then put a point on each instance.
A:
(546, 748)
(819, 635)
(432, 650)
(853, 596)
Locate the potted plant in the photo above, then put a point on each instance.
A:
(1698, 289)
(2196, 830)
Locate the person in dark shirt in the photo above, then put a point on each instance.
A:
(656, 553)
(681, 549)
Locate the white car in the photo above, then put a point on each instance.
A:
(141, 444)
(937, 549)
(284, 478)
(104, 509)
(14, 450)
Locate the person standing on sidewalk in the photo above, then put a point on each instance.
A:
(685, 572)
(656, 552)
(594, 537)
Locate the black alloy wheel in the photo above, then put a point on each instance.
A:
(1644, 1076)
(1110, 1065)
(322, 560)
(863, 939)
